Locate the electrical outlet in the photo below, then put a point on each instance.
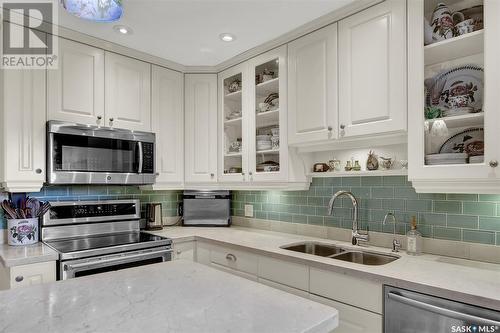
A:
(249, 210)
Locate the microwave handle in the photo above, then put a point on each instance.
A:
(140, 157)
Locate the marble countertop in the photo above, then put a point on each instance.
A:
(23, 255)
(458, 279)
(176, 296)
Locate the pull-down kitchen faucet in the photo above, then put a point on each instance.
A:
(356, 235)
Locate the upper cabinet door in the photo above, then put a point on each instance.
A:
(201, 128)
(23, 130)
(128, 93)
(75, 91)
(168, 124)
(312, 87)
(372, 70)
(233, 123)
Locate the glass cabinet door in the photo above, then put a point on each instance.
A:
(232, 139)
(268, 153)
(452, 116)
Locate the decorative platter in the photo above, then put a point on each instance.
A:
(458, 90)
(470, 141)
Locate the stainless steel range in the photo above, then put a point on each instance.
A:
(99, 236)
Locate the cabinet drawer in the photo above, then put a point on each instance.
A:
(284, 272)
(237, 260)
(184, 250)
(347, 289)
(352, 319)
(32, 274)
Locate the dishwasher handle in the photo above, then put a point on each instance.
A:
(442, 311)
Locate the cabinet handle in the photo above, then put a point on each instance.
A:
(179, 251)
(212, 175)
(231, 257)
(250, 173)
(99, 117)
(19, 278)
(157, 174)
(342, 126)
(38, 171)
(242, 173)
(493, 163)
(330, 128)
(111, 119)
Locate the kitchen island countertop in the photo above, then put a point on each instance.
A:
(177, 296)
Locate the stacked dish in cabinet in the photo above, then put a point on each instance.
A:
(454, 82)
(233, 129)
(267, 131)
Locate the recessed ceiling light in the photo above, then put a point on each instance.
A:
(123, 29)
(227, 37)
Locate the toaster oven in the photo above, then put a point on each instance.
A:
(207, 208)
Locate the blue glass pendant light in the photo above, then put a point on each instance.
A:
(95, 10)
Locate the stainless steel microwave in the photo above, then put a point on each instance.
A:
(84, 154)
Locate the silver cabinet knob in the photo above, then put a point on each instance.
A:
(157, 174)
(231, 257)
(242, 173)
(179, 251)
(111, 119)
(330, 128)
(38, 171)
(342, 126)
(493, 163)
(212, 175)
(19, 278)
(250, 173)
(99, 117)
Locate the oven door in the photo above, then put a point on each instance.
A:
(82, 267)
(79, 154)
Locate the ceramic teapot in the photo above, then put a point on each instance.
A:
(442, 22)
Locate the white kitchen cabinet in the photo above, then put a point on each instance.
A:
(184, 250)
(233, 123)
(284, 272)
(22, 130)
(253, 137)
(27, 275)
(312, 87)
(201, 128)
(481, 50)
(127, 93)
(372, 70)
(362, 293)
(242, 261)
(75, 90)
(352, 319)
(167, 102)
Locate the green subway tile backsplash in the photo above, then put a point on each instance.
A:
(168, 199)
(462, 217)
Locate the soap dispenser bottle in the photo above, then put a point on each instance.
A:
(414, 239)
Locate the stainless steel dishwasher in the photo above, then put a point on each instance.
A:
(410, 312)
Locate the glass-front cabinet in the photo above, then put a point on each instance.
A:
(454, 116)
(252, 141)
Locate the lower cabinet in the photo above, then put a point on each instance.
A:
(184, 250)
(353, 319)
(359, 301)
(27, 275)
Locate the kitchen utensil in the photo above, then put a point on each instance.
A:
(154, 219)
(458, 142)
(459, 89)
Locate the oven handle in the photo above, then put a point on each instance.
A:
(141, 157)
(117, 260)
(442, 311)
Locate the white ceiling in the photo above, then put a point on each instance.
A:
(188, 31)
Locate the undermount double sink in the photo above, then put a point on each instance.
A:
(339, 253)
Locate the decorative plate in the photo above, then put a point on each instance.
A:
(458, 89)
(470, 141)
